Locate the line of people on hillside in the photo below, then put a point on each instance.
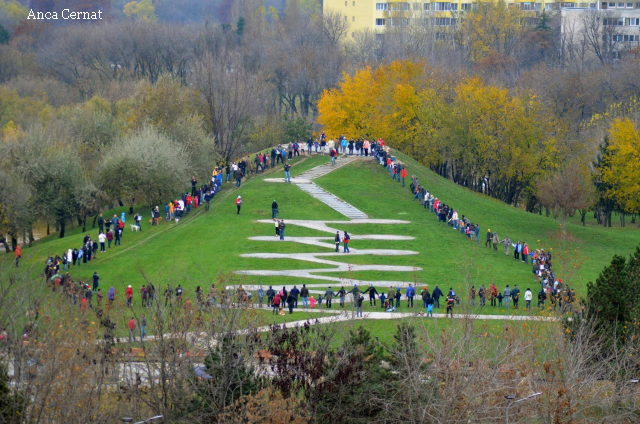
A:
(551, 287)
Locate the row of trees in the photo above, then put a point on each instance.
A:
(486, 137)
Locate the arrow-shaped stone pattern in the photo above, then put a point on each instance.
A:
(305, 182)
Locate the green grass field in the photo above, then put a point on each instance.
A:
(208, 245)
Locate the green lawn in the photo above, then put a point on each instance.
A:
(208, 245)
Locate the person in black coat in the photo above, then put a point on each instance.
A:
(372, 294)
(274, 209)
(437, 293)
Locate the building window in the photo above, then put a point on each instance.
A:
(440, 6)
(399, 7)
(612, 5)
(631, 38)
(593, 5)
(633, 21)
(427, 6)
(621, 5)
(537, 6)
(381, 6)
(629, 5)
(379, 22)
(465, 6)
(416, 6)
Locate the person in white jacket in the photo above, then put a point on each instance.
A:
(527, 298)
(70, 257)
(102, 238)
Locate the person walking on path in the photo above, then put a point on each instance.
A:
(472, 295)
(337, 240)
(18, 254)
(239, 204)
(345, 240)
(398, 295)
(132, 329)
(342, 293)
(290, 302)
(260, 296)
(276, 303)
(271, 293)
(274, 209)
(429, 303)
(281, 227)
(372, 294)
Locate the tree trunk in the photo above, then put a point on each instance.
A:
(31, 239)
(120, 203)
(47, 229)
(84, 223)
(633, 218)
(62, 227)
(131, 206)
(621, 216)
(5, 244)
(14, 242)
(95, 219)
(583, 215)
(546, 211)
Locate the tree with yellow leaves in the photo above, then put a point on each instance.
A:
(621, 165)
(142, 10)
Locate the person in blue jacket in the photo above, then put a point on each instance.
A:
(411, 292)
(437, 293)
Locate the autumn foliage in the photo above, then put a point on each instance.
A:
(460, 126)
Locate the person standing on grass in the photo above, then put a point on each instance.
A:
(260, 296)
(359, 306)
(437, 293)
(527, 298)
(179, 295)
(398, 295)
(525, 252)
(129, 296)
(515, 295)
(277, 224)
(290, 302)
(489, 237)
(507, 243)
(143, 295)
(482, 293)
(118, 237)
(281, 227)
(96, 279)
(17, 254)
(239, 204)
(496, 240)
(337, 240)
(270, 295)
(132, 329)
(493, 294)
(425, 294)
(102, 238)
(274, 209)
(342, 294)
(329, 296)
(111, 296)
(304, 293)
(411, 292)
(403, 174)
(365, 146)
(276, 303)
(143, 326)
(450, 303)
(99, 298)
(345, 240)
(287, 173)
(372, 294)
(429, 304)
(507, 294)
(295, 291)
(472, 295)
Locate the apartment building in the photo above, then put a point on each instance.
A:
(380, 15)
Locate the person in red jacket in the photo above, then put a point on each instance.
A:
(132, 329)
(276, 303)
(18, 254)
(129, 296)
(525, 253)
(239, 204)
(403, 174)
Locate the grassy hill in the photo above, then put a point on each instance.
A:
(209, 244)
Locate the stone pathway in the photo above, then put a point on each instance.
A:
(305, 182)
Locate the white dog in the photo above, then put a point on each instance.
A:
(135, 228)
